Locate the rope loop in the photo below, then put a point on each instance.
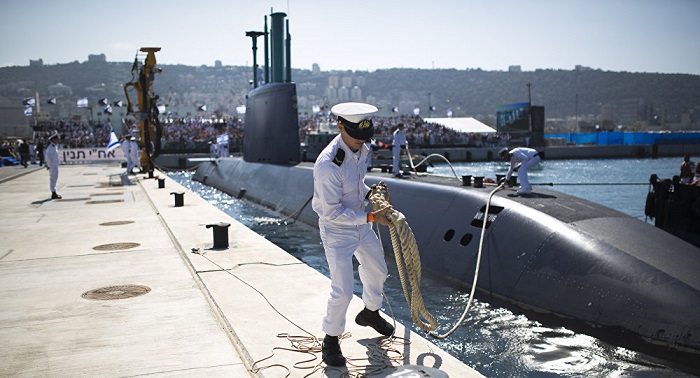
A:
(408, 263)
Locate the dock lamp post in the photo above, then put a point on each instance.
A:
(254, 36)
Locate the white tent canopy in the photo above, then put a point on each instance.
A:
(462, 124)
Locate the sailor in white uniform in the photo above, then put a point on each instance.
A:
(126, 147)
(399, 143)
(135, 152)
(521, 159)
(52, 162)
(346, 228)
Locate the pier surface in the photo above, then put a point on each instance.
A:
(115, 280)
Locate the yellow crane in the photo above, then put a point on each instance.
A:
(147, 115)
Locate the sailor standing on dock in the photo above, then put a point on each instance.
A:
(521, 159)
(346, 229)
(52, 162)
(399, 143)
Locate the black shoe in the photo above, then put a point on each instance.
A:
(330, 352)
(55, 195)
(374, 320)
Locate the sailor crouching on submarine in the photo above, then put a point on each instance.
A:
(521, 159)
(346, 228)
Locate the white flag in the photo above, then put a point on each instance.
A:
(82, 102)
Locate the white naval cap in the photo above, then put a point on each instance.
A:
(353, 115)
(354, 111)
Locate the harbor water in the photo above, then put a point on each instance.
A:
(493, 340)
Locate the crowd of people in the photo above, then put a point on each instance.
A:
(195, 133)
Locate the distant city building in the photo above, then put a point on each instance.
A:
(217, 64)
(333, 81)
(630, 111)
(36, 63)
(343, 94)
(97, 58)
(356, 94)
(315, 69)
(514, 69)
(347, 81)
(332, 95)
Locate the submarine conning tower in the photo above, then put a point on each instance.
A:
(271, 118)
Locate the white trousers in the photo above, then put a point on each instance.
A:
(129, 163)
(53, 177)
(522, 172)
(396, 152)
(340, 244)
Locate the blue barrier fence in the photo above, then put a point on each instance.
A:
(627, 138)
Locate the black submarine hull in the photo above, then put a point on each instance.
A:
(591, 268)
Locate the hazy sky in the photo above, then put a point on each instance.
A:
(614, 35)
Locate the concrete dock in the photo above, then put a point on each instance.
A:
(116, 279)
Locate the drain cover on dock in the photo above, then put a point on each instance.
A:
(115, 246)
(116, 292)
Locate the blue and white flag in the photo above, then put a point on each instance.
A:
(222, 139)
(28, 111)
(29, 101)
(113, 141)
(107, 109)
(82, 102)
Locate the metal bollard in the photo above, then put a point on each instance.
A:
(220, 234)
(478, 181)
(179, 198)
(150, 174)
(513, 180)
(499, 178)
(161, 183)
(467, 180)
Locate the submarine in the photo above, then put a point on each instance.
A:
(557, 258)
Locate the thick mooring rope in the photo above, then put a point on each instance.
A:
(408, 259)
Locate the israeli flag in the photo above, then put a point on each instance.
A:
(82, 102)
(113, 141)
(222, 139)
(28, 111)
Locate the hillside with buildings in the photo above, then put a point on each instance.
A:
(577, 99)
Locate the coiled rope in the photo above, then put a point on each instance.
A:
(406, 256)
(408, 263)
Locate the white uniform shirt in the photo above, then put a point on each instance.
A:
(52, 160)
(400, 139)
(519, 155)
(339, 191)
